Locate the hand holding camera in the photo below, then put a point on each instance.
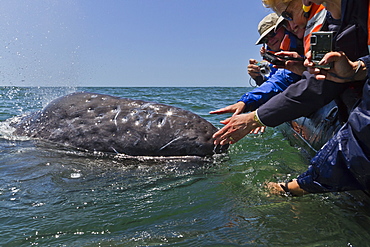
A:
(288, 60)
(329, 65)
(256, 69)
(342, 69)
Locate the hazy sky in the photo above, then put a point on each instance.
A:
(128, 42)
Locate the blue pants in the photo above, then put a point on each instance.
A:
(343, 163)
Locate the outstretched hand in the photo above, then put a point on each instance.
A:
(235, 128)
(236, 109)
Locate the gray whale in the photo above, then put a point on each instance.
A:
(97, 122)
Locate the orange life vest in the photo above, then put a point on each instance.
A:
(285, 43)
(315, 22)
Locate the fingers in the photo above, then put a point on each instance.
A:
(308, 62)
(252, 61)
(287, 53)
(222, 137)
(331, 57)
(322, 76)
(262, 50)
(309, 55)
(252, 68)
(219, 111)
(226, 121)
(296, 67)
(219, 133)
(237, 112)
(239, 108)
(235, 129)
(227, 109)
(258, 130)
(236, 109)
(230, 135)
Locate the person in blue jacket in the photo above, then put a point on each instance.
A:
(278, 81)
(273, 32)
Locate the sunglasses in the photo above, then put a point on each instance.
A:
(286, 15)
(271, 34)
(268, 36)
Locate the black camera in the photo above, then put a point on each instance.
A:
(279, 60)
(321, 43)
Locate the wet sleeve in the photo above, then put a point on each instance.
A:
(343, 162)
(299, 99)
(274, 85)
(359, 119)
(339, 166)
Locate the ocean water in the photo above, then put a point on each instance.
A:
(55, 197)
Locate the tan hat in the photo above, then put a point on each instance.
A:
(267, 25)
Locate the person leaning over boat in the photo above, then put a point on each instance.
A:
(240, 125)
(344, 162)
(271, 38)
(277, 83)
(272, 31)
(309, 94)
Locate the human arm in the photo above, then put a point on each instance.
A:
(274, 85)
(252, 99)
(299, 99)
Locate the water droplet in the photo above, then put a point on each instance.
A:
(76, 175)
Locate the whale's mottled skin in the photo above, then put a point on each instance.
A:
(97, 122)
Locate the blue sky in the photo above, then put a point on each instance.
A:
(127, 43)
